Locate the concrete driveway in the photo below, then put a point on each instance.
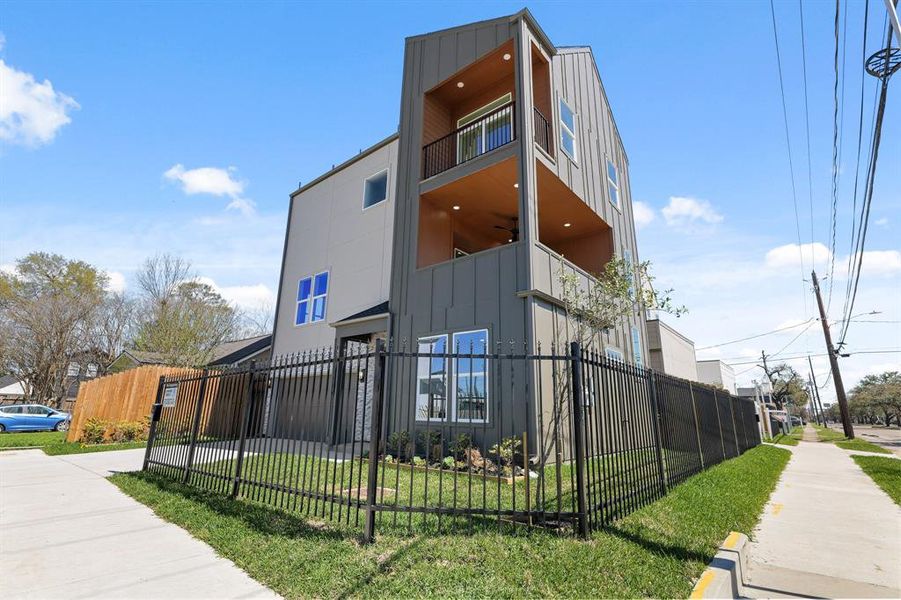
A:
(66, 532)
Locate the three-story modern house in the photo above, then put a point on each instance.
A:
(506, 170)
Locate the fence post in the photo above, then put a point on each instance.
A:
(578, 436)
(655, 422)
(242, 434)
(375, 431)
(197, 412)
(694, 410)
(154, 419)
(719, 423)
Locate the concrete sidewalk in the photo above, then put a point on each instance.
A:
(828, 531)
(66, 532)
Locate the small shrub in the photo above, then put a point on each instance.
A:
(506, 451)
(94, 431)
(400, 442)
(128, 431)
(418, 461)
(431, 444)
(459, 445)
(449, 463)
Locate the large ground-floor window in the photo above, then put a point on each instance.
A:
(463, 377)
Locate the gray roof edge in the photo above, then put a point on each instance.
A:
(375, 147)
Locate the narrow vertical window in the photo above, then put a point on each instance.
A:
(567, 129)
(312, 293)
(636, 346)
(471, 376)
(613, 353)
(375, 189)
(612, 183)
(431, 379)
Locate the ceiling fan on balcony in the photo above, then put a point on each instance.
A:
(513, 231)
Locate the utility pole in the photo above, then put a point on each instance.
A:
(833, 362)
(816, 391)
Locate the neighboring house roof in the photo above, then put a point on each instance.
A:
(10, 386)
(373, 311)
(240, 350)
(225, 353)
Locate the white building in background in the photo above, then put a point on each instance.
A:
(671, 352)
(716, 372)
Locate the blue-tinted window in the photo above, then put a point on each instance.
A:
(636, 346)
(375, 189)
(431, 379)
(311, 299)
(613, 353)
(471, 376)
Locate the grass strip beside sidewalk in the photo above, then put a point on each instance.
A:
(885, 472)
(54, 443)
(657, 551)
(825, 434)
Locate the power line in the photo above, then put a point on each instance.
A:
(871, 178)
(788, 146)
(732, 362)
(759, 335)
(807, 124)
(835, 146)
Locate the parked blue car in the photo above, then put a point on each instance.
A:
(32, 417)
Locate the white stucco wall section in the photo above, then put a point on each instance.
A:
(328, 230)
(716, 372)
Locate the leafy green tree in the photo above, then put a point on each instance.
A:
(180, 318)
(47, 310)
(877, 397)
(788, 386)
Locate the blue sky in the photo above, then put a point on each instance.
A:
(275, 93)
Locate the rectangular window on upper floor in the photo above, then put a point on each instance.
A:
(567, 129)
(612, 183)
(375, 189)
(312, 293)
(636, 346)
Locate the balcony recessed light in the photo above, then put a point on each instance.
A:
(459, 84)
(567, 224)
(456, 207)
(507, 56)
(516, 185)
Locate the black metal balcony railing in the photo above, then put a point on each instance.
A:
(491, 131)
(543, 134)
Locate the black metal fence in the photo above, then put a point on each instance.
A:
(470, 141)
(543, 132)
(567, 440)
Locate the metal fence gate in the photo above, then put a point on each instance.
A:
(396, 440)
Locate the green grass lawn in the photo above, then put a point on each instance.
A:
(785, 440)
(76, 448)
(886, 472)
(54, 443)
(863, 445)
(830, 435)
(656, 551)
(31, 439)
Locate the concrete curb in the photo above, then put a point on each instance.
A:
(724, 577)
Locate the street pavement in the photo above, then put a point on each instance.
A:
(66, 532)
(887, 437)
(827, 531)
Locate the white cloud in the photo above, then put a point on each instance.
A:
(881, 262)
(213, 181)
(243, 296)
(116, 281)
(9, 269)
(790, 255)
(31, 113)
(882, 222)
(643, 214)
(683, 211)
(206, 180)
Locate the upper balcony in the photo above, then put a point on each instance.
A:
(470, 113)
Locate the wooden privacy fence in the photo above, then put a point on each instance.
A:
(125, 396)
